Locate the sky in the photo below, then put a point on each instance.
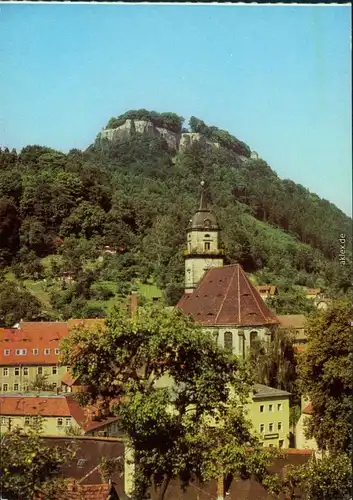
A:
(276, 77)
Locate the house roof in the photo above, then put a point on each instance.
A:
(29, 338)
(308, 409)
(292, 321)
(46, 406)
(313, 291)
(225, 296)
(84, 467)
(263, 391)
(90, 492)
(68, 379)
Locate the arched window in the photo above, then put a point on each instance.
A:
(228, 340)
(241, 343)
(207, 236)
(253, 338)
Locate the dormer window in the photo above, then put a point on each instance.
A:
(57, 351)
(46, 352)
(6, 352)
(35, 352)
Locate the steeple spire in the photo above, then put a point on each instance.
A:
(202, 199)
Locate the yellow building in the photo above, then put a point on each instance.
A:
(301, 441)
(269, 414)
(57, 416)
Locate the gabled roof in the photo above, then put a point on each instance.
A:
(263, 391)
(68, 379)
(308, 410)
(225, 296)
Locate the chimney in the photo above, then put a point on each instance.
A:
(133, 303)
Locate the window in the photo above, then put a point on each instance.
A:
(6, 352)
(270, 427)
(25, 371)
(18, 352)
(207, 245)
(81, 462)
(27, 421)
(228, 340)
(262, 428)
(47, 352)
(253, 337)
(57, 351)
(280, 443)
(241, 345)
(24, 352)
(54, 384)
(262, 408)
(279, 426)
(15, 387)
(5, 372)
(59, 422)
(54, 370)
(35, 352)
(279, 407)
(3, 420)
(17, 371)
(207, 236)
(40, 370)
(5, 387)
(68, 422)
(35, 420)
(270, 445)
(270, 407)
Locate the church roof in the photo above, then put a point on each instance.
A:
(225, 296)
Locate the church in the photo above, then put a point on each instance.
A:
(221, 297)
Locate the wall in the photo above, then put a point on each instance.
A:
(262, 331)
(50, 424)
(266, 417)
(24, 380)
(301, 442)
(198, 267)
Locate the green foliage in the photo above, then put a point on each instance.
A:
(29, 468)
(290, 301)
(325, 373)
(329, 478)
(16, 304)
(129, 359)
(40, 383)
(170, 121)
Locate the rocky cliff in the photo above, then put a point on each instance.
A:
(176, 141)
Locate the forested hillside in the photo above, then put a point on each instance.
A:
(58, 212)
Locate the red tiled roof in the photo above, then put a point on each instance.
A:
(308, 410)
(68, 379)
(89, 492)
(96, 424)
(225, 296)
(29, 336)
(50, 406)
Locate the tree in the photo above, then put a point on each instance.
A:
(290, 301)
(30, 469)
(17, 303)
(329, 478)
(325, 376)
(129, 359)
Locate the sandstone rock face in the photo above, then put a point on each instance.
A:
(141, 127)
(190, 137)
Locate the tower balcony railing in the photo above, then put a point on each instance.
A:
(198, 251)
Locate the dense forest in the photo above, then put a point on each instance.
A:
(59, 211)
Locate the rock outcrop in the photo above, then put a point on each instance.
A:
(176, 141)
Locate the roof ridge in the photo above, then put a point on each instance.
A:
(225, 296)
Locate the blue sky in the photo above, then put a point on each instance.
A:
(277, 77)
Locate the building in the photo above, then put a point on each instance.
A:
(227, 303)
(301, 441)
(31, 349)
(266, 291)
(58, 415)
(269, 414)
(296, 324)
(202, 250)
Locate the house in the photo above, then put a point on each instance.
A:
(301, 441)
(58, 415)
(226, 303)
(295, 323)
(29, 350)
(266, 291)
(269, 414)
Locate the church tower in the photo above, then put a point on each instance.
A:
(202, 251)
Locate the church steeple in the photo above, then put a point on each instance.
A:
(202, 244)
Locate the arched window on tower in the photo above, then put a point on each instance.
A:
(228, 340)
(253, 338)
